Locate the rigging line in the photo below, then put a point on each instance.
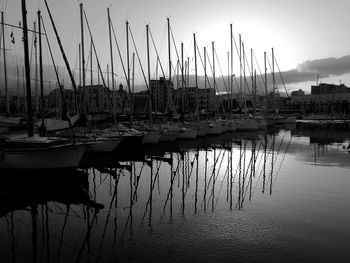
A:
(138, 58)
(64, 110)
(177, 55)
(158, 59)
(98, 62)
(245, 61)
(155, 49)
(279, 71)
(201, 59)
(121, 59)
(222, 75)
(261, 79)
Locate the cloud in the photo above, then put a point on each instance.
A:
(325, 67)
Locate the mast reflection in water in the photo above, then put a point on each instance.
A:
(237, 197)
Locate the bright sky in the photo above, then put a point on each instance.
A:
(299, 30)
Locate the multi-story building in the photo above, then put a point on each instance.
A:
(186, 99)
(324, 99)
(162, 94)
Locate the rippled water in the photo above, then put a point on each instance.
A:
(281, 196)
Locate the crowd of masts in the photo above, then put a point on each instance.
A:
(181, 77)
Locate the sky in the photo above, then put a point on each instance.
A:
(309, 37)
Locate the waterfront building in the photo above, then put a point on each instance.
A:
(162, 94)
(324, 99)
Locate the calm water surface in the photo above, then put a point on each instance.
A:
(281, 196)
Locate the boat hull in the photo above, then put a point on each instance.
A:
(151, 137)
(104, 145)
(215, 129)
(56, 157)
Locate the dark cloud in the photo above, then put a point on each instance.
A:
(326, 67)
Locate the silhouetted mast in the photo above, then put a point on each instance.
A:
(41, 75)
(112, 64)
(149, 71)
(169, 49)
(265, 83)
(5, 69)
(196, 74)
(83, 57)
(231, 73)
(27, 69)
(273, 79)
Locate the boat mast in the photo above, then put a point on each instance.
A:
(196, 75)
(5, 69)
(27, 69)
(128, 67)
(273, 79)
(205, 79)
(83, 58)
(265, 83)
(169, 50)
(182, 78)
(252, 78)
(79, 50)
(41, 75)
(36, 70)
(149, 73)
(91, 74)
(112, 65)
(214, 79)
(240, 68)
(231, 73)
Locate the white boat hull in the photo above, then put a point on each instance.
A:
(54, 157)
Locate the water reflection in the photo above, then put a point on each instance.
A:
(110, 206)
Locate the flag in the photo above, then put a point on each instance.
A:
(12, 38)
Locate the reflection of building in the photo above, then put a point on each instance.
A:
(162, 91)
(324, 99)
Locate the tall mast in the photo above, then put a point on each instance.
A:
(240, 68)
(5, 69)
(273, 79)
(244, 77)
(83, 58)
(265, 83)
(252, 78)
(231, 73)
(91, 74)
(128, 63)
(182, 78)
(133, 72)
(79, 49)
(196, 74)
(205, 78)
(112, 65)
(214, 79)
(149, 74)
(41, 73)
(36, 71)
(27, 69)
(169, 50)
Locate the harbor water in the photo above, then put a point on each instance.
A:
(276, 196)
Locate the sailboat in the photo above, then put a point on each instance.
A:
(29, 151)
